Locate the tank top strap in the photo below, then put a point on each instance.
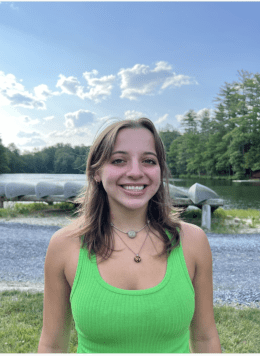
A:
(169, 234)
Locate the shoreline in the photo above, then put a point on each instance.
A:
(64, 220)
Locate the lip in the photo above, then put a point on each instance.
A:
(132, 193)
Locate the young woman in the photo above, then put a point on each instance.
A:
(135, 278)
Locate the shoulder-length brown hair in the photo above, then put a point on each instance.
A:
(94, 211)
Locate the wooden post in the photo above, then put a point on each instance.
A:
(206, 216)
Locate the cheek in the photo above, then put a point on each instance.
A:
(157, 173)
(111, 176)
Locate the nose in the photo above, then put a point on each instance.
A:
(135, 170)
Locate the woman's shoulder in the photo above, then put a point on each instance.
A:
(192, 231)
(63, 240)
(193, 237)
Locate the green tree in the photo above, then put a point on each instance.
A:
(167, 135)
(14, 160)
(3, 159)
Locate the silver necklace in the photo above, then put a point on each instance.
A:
(132, 234)
(137, 258)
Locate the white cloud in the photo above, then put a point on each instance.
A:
(199, 114)
(141, 80)
(99, 88)
(79, 118)
(132, 115)
(102, 119)
(42, 92)
(178, 81)
(48, 118)
(27, 120)
(22, 134)
(15, 94)
(69, 85)
(10, 125)
(69, 133)
(179, 117)
(161, 119)
(34, 142)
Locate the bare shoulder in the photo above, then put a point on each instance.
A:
(61, 242)
(193, 232)
(195, 239)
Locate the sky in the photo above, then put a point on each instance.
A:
(69, 69)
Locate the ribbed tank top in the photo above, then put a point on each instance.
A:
(114, 320)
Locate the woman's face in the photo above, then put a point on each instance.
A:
(132, 175)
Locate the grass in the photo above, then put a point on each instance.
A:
(37, 210)
(222, 221)
(21, 324)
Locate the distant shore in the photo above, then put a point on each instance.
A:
(64, 220)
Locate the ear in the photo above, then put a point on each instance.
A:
(97, 177)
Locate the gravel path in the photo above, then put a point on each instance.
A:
(235, 260)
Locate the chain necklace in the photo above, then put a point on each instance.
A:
(137, 258)
(132, 234)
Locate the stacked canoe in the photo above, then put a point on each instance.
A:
(46, 191)
(42, 191)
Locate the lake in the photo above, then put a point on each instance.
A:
(245, 195)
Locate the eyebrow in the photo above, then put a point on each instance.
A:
(125, 153)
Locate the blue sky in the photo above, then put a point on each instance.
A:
(68, 68)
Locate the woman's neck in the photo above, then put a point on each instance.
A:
(126, 222)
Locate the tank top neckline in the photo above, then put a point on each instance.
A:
(114, 289)
(154, 289)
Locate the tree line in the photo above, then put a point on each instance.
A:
(226, 142)
(56, 159)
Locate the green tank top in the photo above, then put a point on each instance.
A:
(114, 320)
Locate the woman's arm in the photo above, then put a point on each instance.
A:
(203, 332)
(57, 314)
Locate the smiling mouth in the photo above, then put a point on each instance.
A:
(134, 188)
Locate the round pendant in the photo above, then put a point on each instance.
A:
(131, 234)
(137, 258)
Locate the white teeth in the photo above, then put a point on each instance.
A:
(129, 187)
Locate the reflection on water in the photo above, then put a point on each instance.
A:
(236, 195)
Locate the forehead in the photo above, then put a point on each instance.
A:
(130, 139)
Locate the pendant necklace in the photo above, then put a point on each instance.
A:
(132, 234)
(137, 258)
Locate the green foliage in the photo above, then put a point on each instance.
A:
(240, 213)
(226, 144)
(167, 135)
(65, 206)
(221, 220)
(31, 208)
(8, 213)
(3, 159)
(56, 159)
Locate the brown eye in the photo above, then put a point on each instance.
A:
(116, 161)
(151, 161)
